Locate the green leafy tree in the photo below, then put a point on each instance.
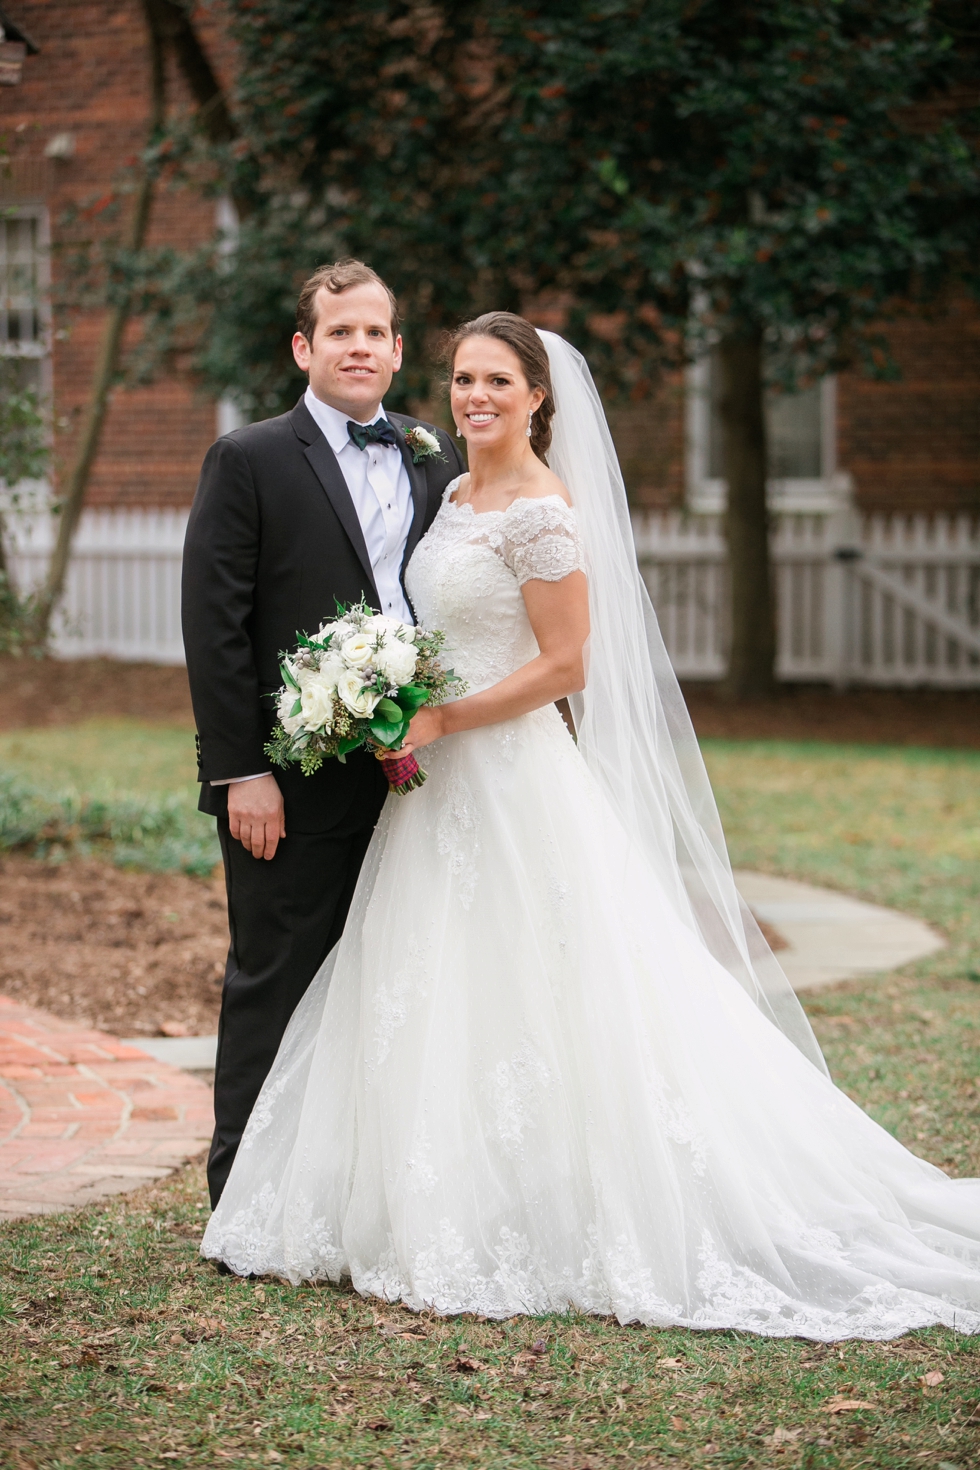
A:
(771, 174)
(372, 131)
(778, 174)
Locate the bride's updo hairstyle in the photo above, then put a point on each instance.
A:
(521, 338)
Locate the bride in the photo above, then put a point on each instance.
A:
(552, 1062)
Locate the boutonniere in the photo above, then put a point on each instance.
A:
(422, 444)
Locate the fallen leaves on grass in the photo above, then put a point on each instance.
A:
(447, 1387)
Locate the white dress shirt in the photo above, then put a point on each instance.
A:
(381, 491)
(377, 479)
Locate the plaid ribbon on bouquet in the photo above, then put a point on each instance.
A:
(403, 771)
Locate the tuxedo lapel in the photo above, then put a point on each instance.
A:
(324, 464)
(416, 478)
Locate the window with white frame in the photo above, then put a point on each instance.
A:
(801, 434)
(24, 308)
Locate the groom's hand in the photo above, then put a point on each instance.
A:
(256, 816)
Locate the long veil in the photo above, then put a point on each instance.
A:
(632, 723)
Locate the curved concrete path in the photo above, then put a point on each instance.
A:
(831, 937)
(84, 1115)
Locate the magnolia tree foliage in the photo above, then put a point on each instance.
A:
(794, 166)
(778, 174)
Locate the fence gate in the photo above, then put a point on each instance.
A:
(884, 600)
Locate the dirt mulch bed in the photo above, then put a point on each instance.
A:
(51, 691)
(57, 692)
(135, 954)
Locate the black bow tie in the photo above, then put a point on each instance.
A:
(364, 434)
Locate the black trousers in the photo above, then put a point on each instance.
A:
(284, 918)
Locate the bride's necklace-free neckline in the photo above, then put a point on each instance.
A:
(517, 500)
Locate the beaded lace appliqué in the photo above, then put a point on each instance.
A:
(458, 836)
(393, 1001)
(512, 1088)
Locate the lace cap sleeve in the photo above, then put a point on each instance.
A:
(541, 540)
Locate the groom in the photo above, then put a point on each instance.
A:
(292, 514)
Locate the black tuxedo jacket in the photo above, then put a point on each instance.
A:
(273, 540)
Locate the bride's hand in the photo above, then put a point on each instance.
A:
(427, 725)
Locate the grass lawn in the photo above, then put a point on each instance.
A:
(120, 1348)
(104, 757)
(897, 826)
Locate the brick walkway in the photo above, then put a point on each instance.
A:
(83, 1115)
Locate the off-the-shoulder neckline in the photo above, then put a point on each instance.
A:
(518, 500)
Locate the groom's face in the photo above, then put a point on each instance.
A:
(354, 354)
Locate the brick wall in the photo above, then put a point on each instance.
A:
(649, 438)
(91, 80)
(914, 445)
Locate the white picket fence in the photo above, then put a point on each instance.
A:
(886, 601)
(122, 598)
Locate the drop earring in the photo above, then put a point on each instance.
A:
(459, 433)
(529, 418)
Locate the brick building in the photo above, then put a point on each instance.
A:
(78, 115)
(73, 126)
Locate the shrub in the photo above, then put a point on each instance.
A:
(156, 833)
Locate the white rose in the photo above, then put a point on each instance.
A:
(358, 650)
(391, 627)
(317, 697)
(422, 436)
(338, 629)
(291, 723)
(330, 670)
(358, 699)
(397, 661)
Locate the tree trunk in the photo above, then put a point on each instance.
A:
(107, 363)
(753, 633)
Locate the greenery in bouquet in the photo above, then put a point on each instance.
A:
(358, 682)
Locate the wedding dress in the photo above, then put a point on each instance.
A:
(523, 1082)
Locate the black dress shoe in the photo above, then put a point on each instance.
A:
(225, 1270)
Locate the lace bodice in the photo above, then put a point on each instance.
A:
(466, 577)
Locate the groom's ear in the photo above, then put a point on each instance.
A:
(301, 352)
(396, 356)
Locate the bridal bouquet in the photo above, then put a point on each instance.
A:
(358, 682)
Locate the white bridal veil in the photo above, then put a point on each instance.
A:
(633, 726)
